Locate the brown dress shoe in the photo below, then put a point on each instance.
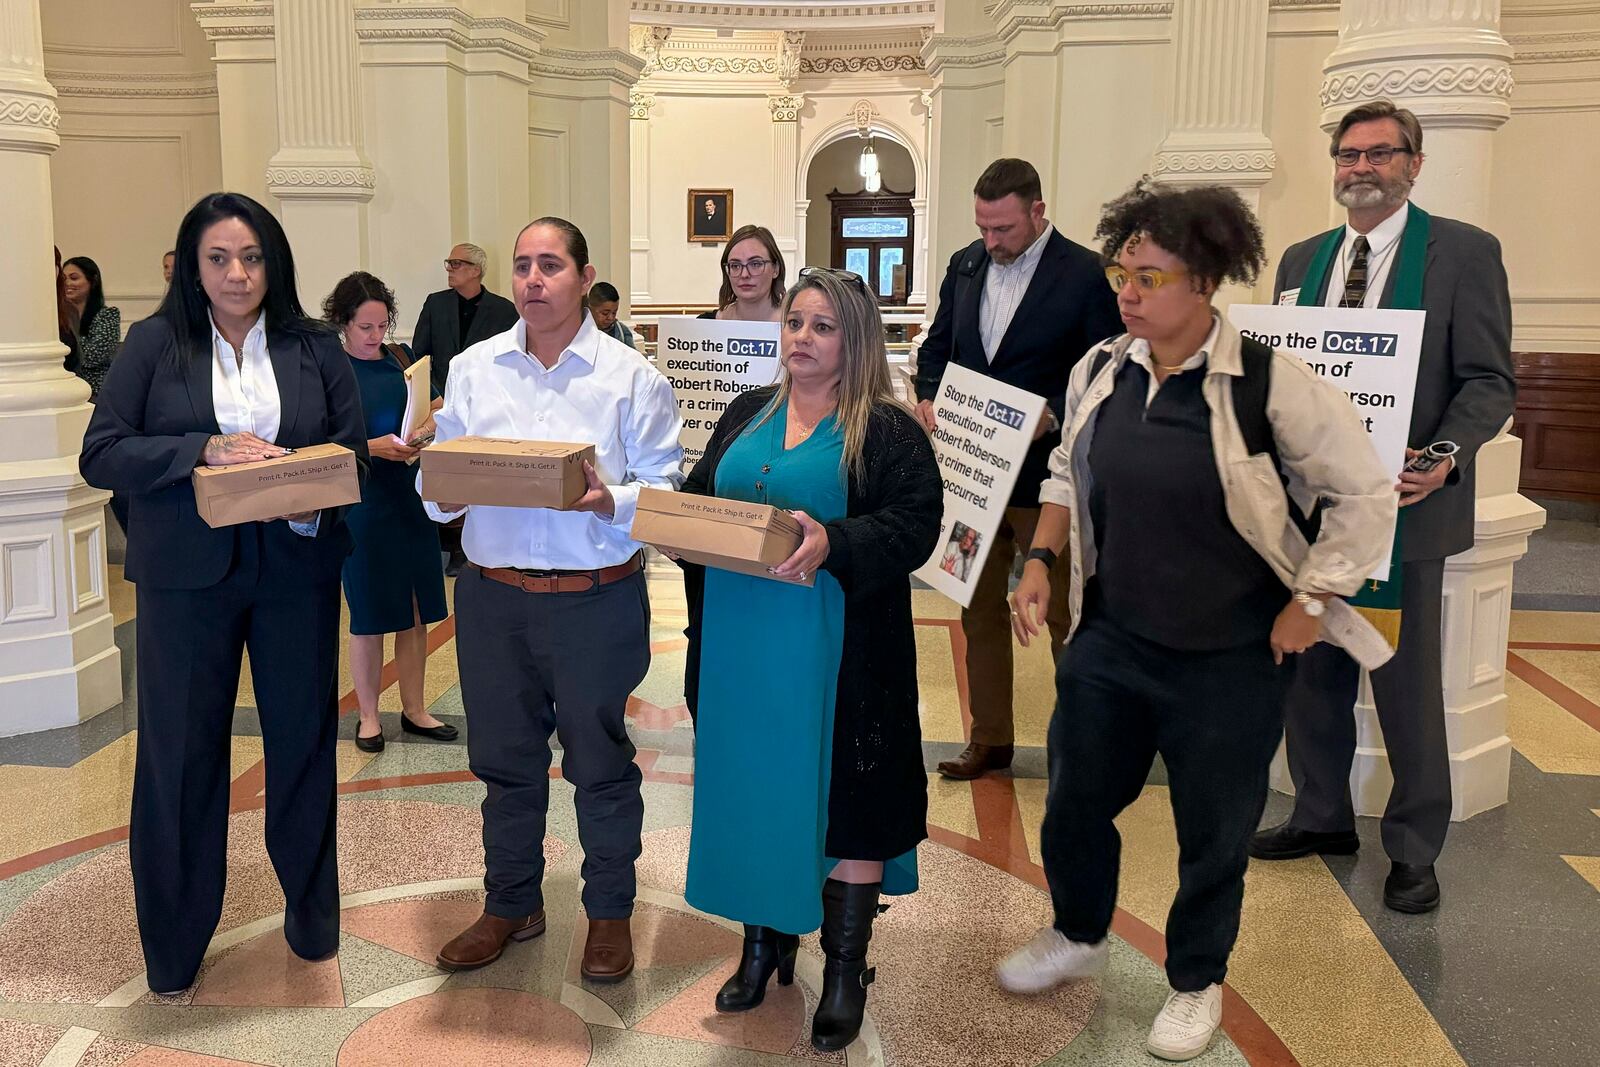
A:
(975, 760)
(608, 951)
(482, 942)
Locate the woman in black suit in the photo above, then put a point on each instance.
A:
(229, 370)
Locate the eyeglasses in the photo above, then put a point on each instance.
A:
(1148, 280)
(1377, 155)
(749, 266)
(849, 276)
(457, 264)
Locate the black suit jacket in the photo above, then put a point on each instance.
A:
(1067, 309)
(438, 333)
(1466, 388)
(150, 428)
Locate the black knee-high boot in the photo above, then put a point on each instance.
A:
(847, 913)
(765, 951)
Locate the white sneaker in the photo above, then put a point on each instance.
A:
(1048, 960)
(1183, 1029)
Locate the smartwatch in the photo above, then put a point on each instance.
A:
(1045, 556)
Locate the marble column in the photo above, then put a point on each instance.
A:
(1218, 98)
(319, 174)
(59, 663)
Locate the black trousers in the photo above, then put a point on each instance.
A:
(536, 662)
(1216, 718)
(190, 644)
(1409, 694)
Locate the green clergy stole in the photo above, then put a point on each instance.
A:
(1378, 601)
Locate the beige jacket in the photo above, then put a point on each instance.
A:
(1325, 451)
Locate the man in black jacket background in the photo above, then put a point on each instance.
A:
(1022, 304)
(453, 319)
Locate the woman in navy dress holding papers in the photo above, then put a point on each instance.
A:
(393, 580)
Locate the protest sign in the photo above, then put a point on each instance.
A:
(709, 362)
(982, 430)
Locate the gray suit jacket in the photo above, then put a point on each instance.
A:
(438, 332)
(1466, 389)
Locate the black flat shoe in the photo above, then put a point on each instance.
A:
(1411, 888)
(370, 744)
(1290, 842)
(443, 732)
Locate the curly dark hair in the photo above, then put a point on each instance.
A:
(1209, 227)
(351, 292)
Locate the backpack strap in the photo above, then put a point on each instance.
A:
(1250, 391)
(400, 354)
(1101, 356)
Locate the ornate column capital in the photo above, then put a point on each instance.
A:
(234, 20)
(639, 104)
(785, 107)
(1446, 61)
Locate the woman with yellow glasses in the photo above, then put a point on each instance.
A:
(1190, 585)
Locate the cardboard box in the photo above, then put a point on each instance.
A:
(731, 535)
(309, 479)
(505, 472)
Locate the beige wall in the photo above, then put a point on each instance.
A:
(835, 168)
(139, 136)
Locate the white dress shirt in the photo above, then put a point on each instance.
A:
(1004, 286)
(1139, 352)
(1382, 242)
(244, 392)
(599, 392)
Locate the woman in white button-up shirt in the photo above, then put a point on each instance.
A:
(228, 370)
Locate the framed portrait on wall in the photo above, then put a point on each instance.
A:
(710, 215)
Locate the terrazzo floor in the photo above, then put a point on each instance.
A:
(1502, 974)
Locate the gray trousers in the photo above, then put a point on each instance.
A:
(1409, 694)
(535, 662)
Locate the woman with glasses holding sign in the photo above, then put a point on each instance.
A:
(1183, 449)
(810, 795)
(752, 277)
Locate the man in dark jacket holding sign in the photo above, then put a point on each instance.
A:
(1021, 304)
(1391, 254)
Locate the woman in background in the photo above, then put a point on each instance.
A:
(752, 277)
(393, 580)
(99, 326)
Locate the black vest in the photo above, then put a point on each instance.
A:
(1171, 567)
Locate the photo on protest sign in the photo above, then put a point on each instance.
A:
(709, 362)
(982, 430)
(1369, 354)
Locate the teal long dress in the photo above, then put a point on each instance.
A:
(769, 673)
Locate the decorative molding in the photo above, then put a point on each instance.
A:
(646, 42)
(790, 42)
(1247, 162)
(942, 50)
(1303, 5)
(140, 85)
(1489, 80)
(786, 108)
(639, 104)
(29, 121)
(864, 113)
(719, 64)
(612, 64)
(904, 12)
(449, 25)
(1555, 47)
(320, 182)
(1010, 16)
(235, 21)
(859, 64)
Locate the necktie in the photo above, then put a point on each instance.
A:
(1355, 283)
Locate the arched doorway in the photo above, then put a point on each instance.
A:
(870, 233)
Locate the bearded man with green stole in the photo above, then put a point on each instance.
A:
(1392, 254)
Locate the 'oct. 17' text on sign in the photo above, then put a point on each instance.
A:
(1337, 343)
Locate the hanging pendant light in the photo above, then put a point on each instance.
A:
(874, 182)
(868, 164)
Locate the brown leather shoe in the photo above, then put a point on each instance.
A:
(483, 941)
(608, 951)
(975, 760)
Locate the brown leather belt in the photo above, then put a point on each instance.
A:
(561, 581)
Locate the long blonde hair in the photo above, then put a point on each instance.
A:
(864, 381)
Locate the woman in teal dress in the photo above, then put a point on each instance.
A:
(810, 794)
(393, 579)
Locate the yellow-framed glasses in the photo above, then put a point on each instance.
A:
(1148, 280)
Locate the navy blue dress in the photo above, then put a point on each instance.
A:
(396, 554)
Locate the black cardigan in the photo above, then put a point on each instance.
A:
(878, 801)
